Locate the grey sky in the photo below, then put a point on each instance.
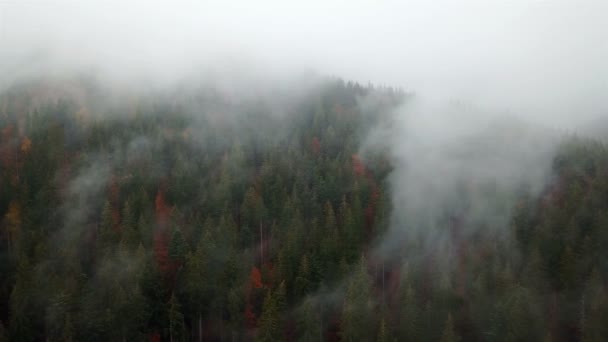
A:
(526, 56)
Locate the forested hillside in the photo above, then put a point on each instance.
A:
(200, 215)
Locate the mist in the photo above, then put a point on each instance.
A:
(545, 60)
(491, 90)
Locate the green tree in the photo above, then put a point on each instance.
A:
(107, 234)
(409, 315)
(20, 305)
(383, 334)
(176, 320)
(269, 326)
(449, 334)
(302, 282)
(309, 322)
(177, 246)
(357, 308)
(129, 225)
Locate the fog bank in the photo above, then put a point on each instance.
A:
(543, 59)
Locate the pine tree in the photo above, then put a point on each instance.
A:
(235, 310)
(269, 327)
(107, 233)
(57, 317)
(383, 335)
(302, 282)
(594, 309)
(177, 246)
(309, 322)
(449, 334)
(20, 306)
(253, 210)
(410, 315)
(129, 226)
(350, 231)
(13, 227)
(357, 307)
(329, 246)
(176, 321)
(196, 280)
(567, 268)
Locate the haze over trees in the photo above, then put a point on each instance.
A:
(303, 170)
(194, 214)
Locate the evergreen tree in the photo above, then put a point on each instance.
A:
(383, 335)
(20, 305)
(196, 282)
(309, 322)
(302, 283)
(129, 226)
(269, 328)
(357, 307)
(449, 334)
(176, 320)
(177, 246)
(410, 316)
(106, 228)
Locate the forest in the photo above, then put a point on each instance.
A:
(196, 214)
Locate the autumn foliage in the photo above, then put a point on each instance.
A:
(316, 146)
(256, 278)
(163, 211)
(358, 167)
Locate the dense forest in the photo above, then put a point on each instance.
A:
(201, 215)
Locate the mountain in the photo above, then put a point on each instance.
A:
(213, 211)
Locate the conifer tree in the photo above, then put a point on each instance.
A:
(176, 321)
(269, 325)
(449, 335)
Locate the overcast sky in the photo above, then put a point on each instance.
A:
(528, 56)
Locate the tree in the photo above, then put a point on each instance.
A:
(568, 268)
(20, 305)
(383, 335)
(302, 282)
(449, 335)
(356, 311)
(351, 231)
(256, 278)
(129, 311)
(155, 295)
(280, 298)
(13, 228)
(329, 247)
(177, 246)
(68, 329)
(163, 211)
(594, 310)
(410, 316)
(309, 322)
(106, 228)
(176, 320)
(521, 317)
(58, 320)
(196, 281)
(235, 310)
(269, 327)
(253, 213)
(129, 225)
